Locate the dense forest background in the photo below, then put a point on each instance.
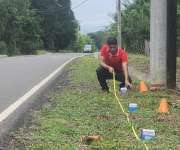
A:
(29, 25)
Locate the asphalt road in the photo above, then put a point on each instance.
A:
(20, 74)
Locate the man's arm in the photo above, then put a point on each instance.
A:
(126, 75)
(104, 65)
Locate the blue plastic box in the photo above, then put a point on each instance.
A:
(147, 134)
(133, 107)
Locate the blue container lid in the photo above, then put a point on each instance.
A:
(147, 134)
(132, 105)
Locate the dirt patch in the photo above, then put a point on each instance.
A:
(135, 117)
(170, 118)
(103, 117)
(16, 140)
(83, 88)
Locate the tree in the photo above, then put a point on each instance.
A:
(99, 38)
(135, 25)
(19, 26)
(81, 41)
(26, 25)
(58, 23)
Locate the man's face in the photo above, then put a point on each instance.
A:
(113, 48)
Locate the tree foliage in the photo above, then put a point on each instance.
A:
(58, 23)
(99, 38)
(136, 24)
(81, 41)
(27, 25)
(19, 26)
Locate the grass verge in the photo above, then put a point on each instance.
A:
(139, 62)
(41, 52)
(81, 109)
(142, 62)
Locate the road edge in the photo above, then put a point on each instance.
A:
(10, 117)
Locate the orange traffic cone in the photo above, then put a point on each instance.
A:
(163, 108)
(143, 87)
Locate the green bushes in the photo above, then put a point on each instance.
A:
(28, 25)
(3, 47)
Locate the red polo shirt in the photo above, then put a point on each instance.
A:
(116, 60)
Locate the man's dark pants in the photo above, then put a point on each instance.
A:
(103, 75)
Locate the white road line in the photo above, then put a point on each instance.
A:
(24, 98)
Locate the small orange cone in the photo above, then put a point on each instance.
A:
(143, 87)
(163, 108)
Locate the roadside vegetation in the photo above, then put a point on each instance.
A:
(78, 108)
(29, 25)
(135, 26)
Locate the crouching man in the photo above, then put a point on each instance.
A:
(113, 59)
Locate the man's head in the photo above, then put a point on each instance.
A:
(113, 45)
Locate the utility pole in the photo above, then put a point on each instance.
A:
(171, 43)
(119, 22)
(163, 42)
(158, 42)
(78, 33)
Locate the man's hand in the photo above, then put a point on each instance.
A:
(103, 64)
(128, 84)
(110, 69)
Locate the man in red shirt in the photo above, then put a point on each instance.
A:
(113, 59)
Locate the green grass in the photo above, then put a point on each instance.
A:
(81, 109)
(139, 62)
(41, 52)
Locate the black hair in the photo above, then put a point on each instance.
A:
(112, 41)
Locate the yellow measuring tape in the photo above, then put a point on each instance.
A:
(126, 114)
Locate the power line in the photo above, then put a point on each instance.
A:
(77, 6)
